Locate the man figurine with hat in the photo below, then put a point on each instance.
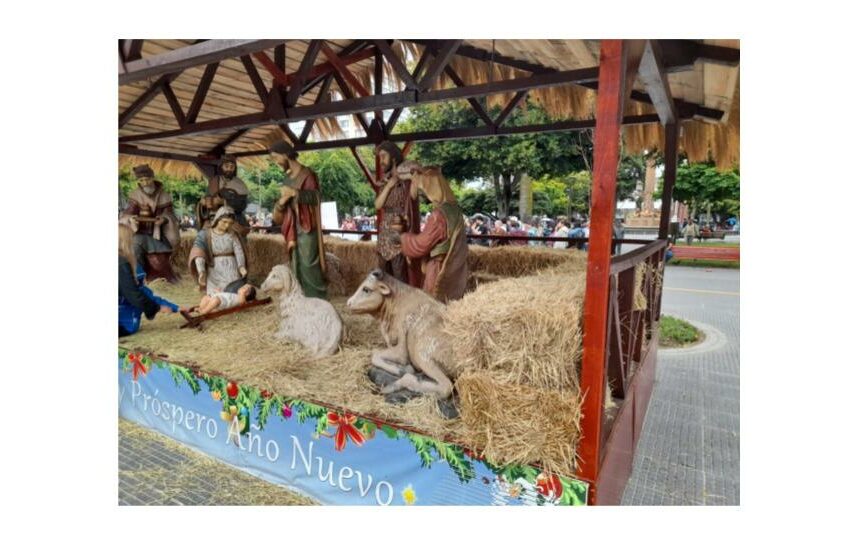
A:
(227, 189)
(150, 214)
(298, 212)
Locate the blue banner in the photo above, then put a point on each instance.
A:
(334, 457)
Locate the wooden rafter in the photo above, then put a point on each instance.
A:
(462, 134)
(343, 71)
(221, 147)
(174, 103)
(655, 82)
(145, 98)
(476, 106)
(518, 97)
(256, 80)
(396, 100)
(293, 138)
(303, 71)
(201, 93)
(346, 91)
(398, 66)
(441, 60)
(206, 52)
(396, 114)
(366, 172)
(308, 125)
(379, 82)
(131, 49)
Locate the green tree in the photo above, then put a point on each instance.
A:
(705, 188)
(341, 179)
(498, 160)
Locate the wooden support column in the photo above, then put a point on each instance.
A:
(671, 152)
(615, 55)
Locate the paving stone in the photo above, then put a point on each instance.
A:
(689, 450)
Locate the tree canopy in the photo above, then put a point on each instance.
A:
(705, 188)
(500, 161)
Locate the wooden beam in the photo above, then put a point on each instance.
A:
(293, 138)
(207, 52)
(606, 155)
(346, 91)
(398, 66)
(420, 65)
(133, 151)
(131, 49)
(343, 71)
(440, 62)
(366, 172)
(256, 80)
(462, 134)
(280, 57)
(379, 81)
(679, 55)
(277, 74)
(144, 99)
(385, 101)
(350, 54)
(303, 71)
(174, 104)
(479, 110)
(671, 160)
(221, 148)
(655, 82)
(510, 107)
(201, 93)
(308, 125)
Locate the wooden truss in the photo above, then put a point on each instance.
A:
(280, 101)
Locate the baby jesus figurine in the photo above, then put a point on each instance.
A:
(225, 300)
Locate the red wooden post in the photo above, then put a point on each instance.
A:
(606, 152)
(671, 151)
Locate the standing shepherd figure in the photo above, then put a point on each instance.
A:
(298, 212)
(217, 258)
(401, 215)
(150, 215)
(225, 189)
(443, 242)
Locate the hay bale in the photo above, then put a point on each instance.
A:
(516, 261)
(522, 330)
(519, 424)
(360, 258)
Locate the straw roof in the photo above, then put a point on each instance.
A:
(232, 93)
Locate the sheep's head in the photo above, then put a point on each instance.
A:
(370, 295)
(279, 280)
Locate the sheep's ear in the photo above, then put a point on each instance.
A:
(383, 288)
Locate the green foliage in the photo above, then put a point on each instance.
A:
(428, 449)
(498, 160)
(705, 188)
(677, 333)
(632, 169)
(263, 184)
(341, 179)
(180, 373)
(704, 263)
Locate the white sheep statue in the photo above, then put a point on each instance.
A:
(312, 322)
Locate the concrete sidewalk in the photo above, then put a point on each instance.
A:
(689, 451)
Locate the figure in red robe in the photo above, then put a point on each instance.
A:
(442, 243)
